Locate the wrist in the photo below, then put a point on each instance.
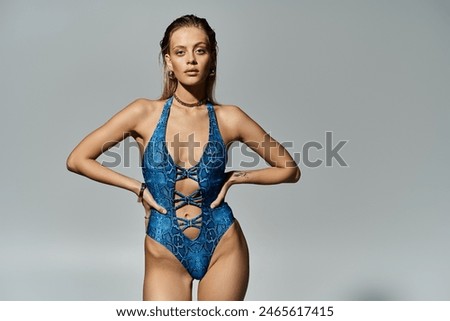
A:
(239, 177)
(136, 187)
(141, 192)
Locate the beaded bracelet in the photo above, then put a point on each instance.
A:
(141, 192)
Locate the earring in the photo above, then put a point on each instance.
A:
(212, 72)
(171, 74)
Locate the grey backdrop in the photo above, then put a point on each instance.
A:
(375, 73)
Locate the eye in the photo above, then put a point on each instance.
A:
(201, 51)
(179, 52)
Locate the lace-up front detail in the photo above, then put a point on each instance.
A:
(191, 172)
(195, 198)
(185, 223)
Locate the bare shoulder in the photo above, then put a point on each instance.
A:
(135, 116)
(139, 110)
(233, 116)
(232, 119)
(143, 106)
(230, 113)
(144, 114)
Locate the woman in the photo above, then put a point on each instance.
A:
(191, 230)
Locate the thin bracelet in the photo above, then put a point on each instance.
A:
(141, 192)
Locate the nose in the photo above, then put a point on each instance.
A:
(191, 59)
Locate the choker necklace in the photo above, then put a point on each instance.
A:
(199, 103)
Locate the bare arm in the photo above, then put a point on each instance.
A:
(82, 160)
(283, 168)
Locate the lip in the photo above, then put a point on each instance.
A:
(192, 71)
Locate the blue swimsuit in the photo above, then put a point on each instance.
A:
(161, 174)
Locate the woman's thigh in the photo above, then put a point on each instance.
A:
(228, 272)
(165, 278)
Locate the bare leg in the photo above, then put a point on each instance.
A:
(165, 278)
(228, 272)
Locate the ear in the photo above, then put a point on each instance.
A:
(168, 61)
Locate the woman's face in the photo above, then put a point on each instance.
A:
(189, 56)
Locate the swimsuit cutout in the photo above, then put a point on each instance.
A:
(161, 174)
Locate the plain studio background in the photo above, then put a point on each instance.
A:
(374, 73)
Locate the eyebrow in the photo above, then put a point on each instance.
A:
(197, 44)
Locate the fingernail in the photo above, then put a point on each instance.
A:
(164, 211)
(212, 206)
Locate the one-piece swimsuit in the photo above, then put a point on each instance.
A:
(161, 174)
